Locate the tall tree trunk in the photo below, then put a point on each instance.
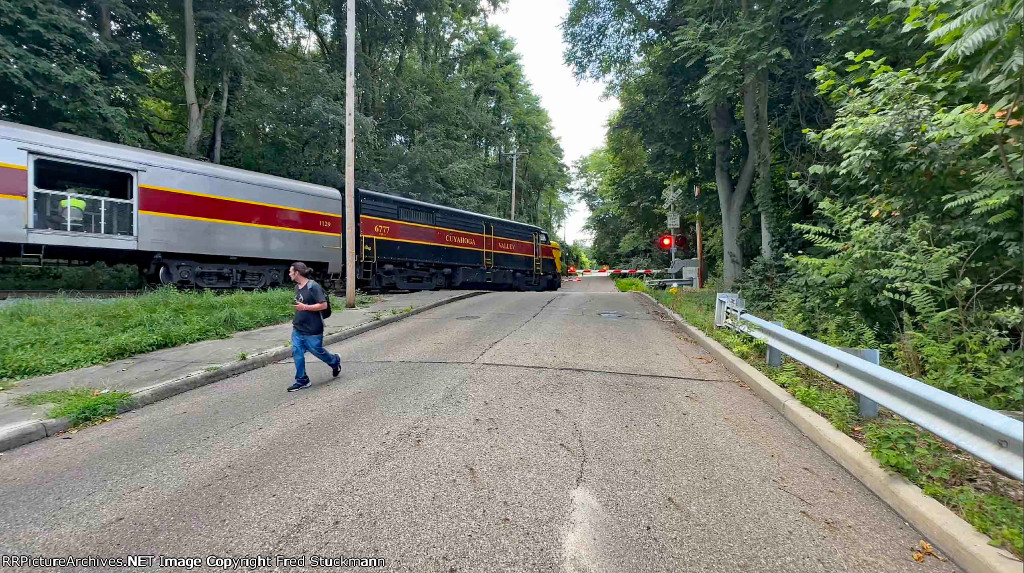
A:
(755, 124)
(105, 64)
(730, 197)
(218, 126)
(195, 110)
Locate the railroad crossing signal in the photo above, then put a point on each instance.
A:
(665, 242)
(572, 269)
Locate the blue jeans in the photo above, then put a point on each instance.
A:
(314, 343)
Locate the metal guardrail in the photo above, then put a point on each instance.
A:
(989, 435)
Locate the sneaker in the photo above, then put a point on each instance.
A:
(299, 385)
(336, 369)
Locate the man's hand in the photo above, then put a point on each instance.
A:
(300, 306)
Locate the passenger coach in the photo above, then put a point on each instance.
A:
(192, 223)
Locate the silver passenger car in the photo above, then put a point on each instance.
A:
(184, 221)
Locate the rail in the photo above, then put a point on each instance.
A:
(989, 435)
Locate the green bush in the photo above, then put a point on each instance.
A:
(629, 284)
(95, 277)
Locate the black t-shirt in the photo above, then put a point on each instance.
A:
(309, 321)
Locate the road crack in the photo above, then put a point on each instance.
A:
(579, 437)
(533, 367)
(520, 327)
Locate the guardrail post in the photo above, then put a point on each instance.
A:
(722, 302)
(865, 407)
(774, 356)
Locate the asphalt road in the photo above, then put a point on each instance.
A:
(567, 431)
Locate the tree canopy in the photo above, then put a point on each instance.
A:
(880, 144)
(441, 95)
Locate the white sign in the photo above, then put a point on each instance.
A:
(673, 220)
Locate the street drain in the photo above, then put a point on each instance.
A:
(467, 318)
(610, 315)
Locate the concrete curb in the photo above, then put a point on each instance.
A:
(959, 540)
(14, 436)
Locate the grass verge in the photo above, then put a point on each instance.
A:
(81, 406)
(969, 487)
(39, 337)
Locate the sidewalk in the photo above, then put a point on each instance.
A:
(157, 375)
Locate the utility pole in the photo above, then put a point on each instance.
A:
(515, 155)
(350, 157)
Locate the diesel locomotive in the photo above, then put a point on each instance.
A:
(190, 223)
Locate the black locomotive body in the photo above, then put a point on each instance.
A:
(408, 244)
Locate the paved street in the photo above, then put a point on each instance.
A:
(565, 431)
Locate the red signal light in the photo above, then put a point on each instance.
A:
(572, 269)
(665, 242)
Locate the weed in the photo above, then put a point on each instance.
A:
(993, 515)
(211, 368)
(243, 356)
(363, 299)
(629, 284)
(397, 311)
(79, 405)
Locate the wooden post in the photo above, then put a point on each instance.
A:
(350, 157)
(515, 154)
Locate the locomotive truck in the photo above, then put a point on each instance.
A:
(195, 224)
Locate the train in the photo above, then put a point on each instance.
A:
(195, 224)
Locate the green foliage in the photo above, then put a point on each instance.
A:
(575, 255)
(442, 97)
(836, 404)
(941, 470)
(762, 281)
(45, 337)
(58, 70)
(917, 235)
(630, 284)
(913, 453)
(95, 277)
(80, 406)
(994, 515)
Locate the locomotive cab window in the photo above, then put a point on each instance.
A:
(415, 216)
(544, 238)
(71, 196)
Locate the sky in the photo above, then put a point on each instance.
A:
(578, 116)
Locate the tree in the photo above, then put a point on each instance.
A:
(736, 44)
(68, 65)
(260, 85)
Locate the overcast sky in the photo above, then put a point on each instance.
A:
(578, 115)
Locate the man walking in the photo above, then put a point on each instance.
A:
(308, 326)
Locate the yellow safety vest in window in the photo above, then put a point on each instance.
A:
(75, 204)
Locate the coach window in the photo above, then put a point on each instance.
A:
(416, 216)
(75, 197)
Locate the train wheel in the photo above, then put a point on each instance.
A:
(439, 281)
(166, 276)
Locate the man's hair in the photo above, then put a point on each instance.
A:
(302, 269)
